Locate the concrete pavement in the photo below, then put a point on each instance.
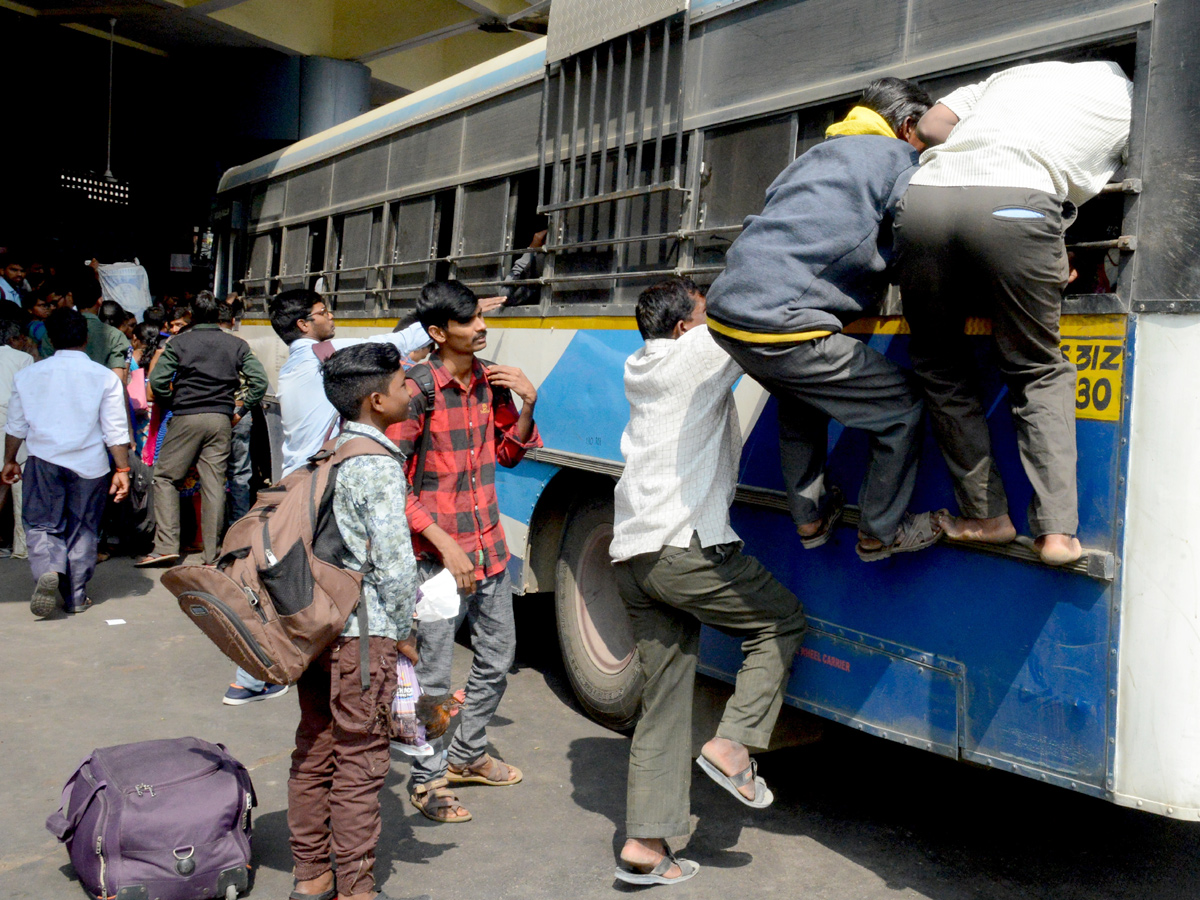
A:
(855, 817)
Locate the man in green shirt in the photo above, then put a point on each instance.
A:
(105, 344)
(199, 375)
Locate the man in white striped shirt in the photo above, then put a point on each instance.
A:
(678, 564)
(1010, 158)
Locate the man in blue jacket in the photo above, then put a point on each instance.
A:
(814, 259)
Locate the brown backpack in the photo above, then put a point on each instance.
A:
(278, 596)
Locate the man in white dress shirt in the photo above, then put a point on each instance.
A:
(679, 564)
(69, 410)
(304, 321)
(1009, 159)
(12, 361)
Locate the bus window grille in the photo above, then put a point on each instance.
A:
(612, 145)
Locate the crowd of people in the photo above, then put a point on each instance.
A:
(972, 192)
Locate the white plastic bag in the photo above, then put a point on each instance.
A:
(438, 598)
(128, 284)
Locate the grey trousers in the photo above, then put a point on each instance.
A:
(668, 595)
(494, 642)
(841, 378)
(62, 514)
(958, 257)
(202, 439)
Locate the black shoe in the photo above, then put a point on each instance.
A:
(45, 600)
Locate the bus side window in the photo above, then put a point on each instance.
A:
(410, 246)
(482, 235)
(740, 163)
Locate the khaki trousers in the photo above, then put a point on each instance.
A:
(203, 439)
(669, 594)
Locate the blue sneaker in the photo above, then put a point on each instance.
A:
(240, 696)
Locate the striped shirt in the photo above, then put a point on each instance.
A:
(682, 447)
(1056, 127)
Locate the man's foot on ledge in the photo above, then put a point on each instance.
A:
(996, 530)
(1058, 549)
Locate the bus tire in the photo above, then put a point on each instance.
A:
(598, 648)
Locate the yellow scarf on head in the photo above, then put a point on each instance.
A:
(861, 121)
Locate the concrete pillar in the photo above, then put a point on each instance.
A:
(331, 91)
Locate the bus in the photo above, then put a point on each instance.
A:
(640, 136)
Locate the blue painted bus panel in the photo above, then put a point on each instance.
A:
(1033, 642)
(852, 682)
(519, 489)
(1097, 442)
(581, 404)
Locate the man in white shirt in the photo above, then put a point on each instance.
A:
(68, 410)
(304, 321)
(12, 361)
(12, 284)
(679, 564)
(1010, 158)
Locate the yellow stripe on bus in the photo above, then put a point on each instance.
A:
(575, 323)
(1072, 326)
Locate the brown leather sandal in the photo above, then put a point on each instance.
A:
(485, 770)
(438, 802)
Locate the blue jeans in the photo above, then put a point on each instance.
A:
(244, 679)
(240, 470)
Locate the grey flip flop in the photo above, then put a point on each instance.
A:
(657, 875)
(762, 794)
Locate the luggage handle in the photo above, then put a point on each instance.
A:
(57, 823)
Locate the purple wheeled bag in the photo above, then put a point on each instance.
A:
(158, 820)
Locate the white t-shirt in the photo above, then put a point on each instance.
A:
(682, 446)
(1056, 127)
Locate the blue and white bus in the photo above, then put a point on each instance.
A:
(641, 135)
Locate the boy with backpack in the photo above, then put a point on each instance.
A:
(342, 751)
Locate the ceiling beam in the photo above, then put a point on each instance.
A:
(117, 39)
(18, 8)
(76, 12)
(205, 7)
(421, 40)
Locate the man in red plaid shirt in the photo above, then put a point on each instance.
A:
(455, 522)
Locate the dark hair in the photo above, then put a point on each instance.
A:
(182, 311)
(661, 307)
(111, 313)
(351, 375)
(288, 308)
(156, 316)
(896, 100)
(9, 331)
(67, 329)
(44, 290)
(441, 301)
(87, 291)
(237, 307)
(206, 309)
(150, 337)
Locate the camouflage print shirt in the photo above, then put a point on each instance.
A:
(369, 506)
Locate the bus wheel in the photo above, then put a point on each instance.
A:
(597, 643)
